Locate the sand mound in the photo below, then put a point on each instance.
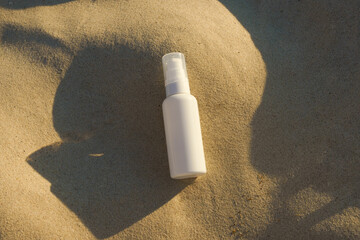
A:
(83, 145)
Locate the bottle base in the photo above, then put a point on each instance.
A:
(188, 175)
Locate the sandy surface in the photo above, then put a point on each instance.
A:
(83, 152)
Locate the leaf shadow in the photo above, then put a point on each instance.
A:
(111, 167)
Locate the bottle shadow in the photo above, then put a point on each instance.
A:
(111, 166)
(306, 132)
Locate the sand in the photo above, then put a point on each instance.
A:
(82, 142)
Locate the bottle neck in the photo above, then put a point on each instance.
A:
(177, 87)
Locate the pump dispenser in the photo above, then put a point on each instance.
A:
(181, 121)
(176, 79)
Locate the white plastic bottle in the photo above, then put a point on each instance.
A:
(181, 120)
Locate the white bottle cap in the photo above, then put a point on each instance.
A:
(176, 78)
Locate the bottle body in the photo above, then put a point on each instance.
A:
(183, 136)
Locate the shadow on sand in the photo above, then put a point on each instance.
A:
(111, 167)
(22, 4)
(306, 132)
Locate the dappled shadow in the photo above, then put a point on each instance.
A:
(111, 166)
(306, 131)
